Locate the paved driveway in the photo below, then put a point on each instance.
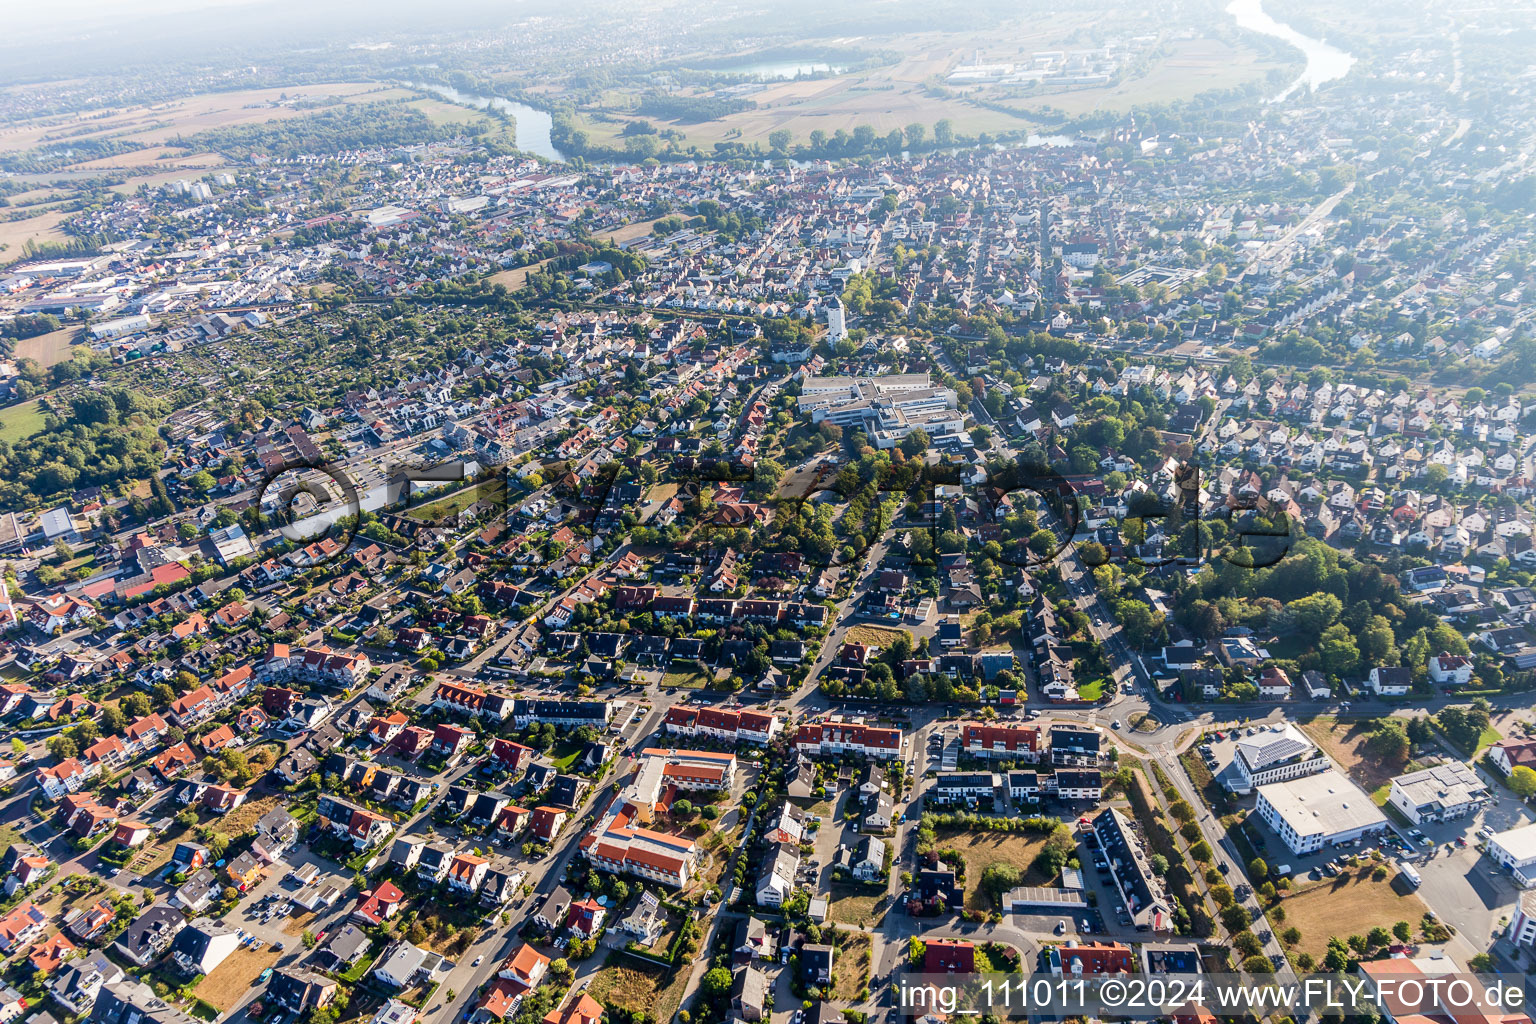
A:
(1461, 885)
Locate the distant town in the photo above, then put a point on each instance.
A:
(724, 577)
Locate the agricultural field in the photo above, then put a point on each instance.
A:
(155, 125)
(913, 87)
(828, 105)
(1194, 66)
(42, 226)
(49, 348)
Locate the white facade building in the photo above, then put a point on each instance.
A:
(1270, 757)
(1441, 793)
(1516, 850)
(1318, 811)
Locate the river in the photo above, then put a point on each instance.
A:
(533, 124)
(1325, 63)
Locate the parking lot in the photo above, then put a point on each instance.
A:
(269, 922)
(1104, 919)
(1223, 750)
(1463, 886)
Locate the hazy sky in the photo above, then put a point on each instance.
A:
(64, 16)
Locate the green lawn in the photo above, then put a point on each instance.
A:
(565, 754)
(453, 504)
(1093, 689)
(1489, 737)
(19, 422)
(689, 680)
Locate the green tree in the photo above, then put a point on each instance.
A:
(1314, 613)
(1389, 740)
(1337, 650)
(1522, 781)
(716, 983)
(1377, 645)
(1139, 621)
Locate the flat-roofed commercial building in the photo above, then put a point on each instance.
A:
(1516, 850)
(1319, 811)
(1442, 793)
(888, 407)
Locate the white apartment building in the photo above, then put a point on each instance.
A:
(1270, 757)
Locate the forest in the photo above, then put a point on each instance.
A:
(360, 126)
(691, 109)
(100, 437)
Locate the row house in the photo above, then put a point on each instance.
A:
(834, 737)
(563, 713)
(363, 827)
(1019, 743)
(723, 724)
(144, 735)
(314, 665)
(462, 699)
(109, 753)
(194, 707)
